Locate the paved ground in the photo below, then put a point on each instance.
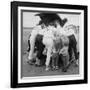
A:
(31, 70)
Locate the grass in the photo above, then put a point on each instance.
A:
(32, 71)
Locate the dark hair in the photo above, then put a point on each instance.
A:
(40, 22)
(63, 22)
(51, 18)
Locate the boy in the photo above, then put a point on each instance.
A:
(55, 53)
(65, 54)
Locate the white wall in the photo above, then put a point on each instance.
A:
(5, 46)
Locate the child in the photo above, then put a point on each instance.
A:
(65, 57)
(55, 53)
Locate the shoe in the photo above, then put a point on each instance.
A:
(77, 62)
(47, 68)
(31, 62)
(57, 68)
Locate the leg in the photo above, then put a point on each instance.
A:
(28, 46)
(76, 54)
(64, 64)
(70, 52)
(48, 42)
(32, 44)
(57, 60)
(65, 60)
(40, 48)
(37, 63)
(48, 59)
(53, 61)
(32, 39)
(72, 46)
(38, 59)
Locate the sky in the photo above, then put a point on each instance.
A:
(30, 20)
